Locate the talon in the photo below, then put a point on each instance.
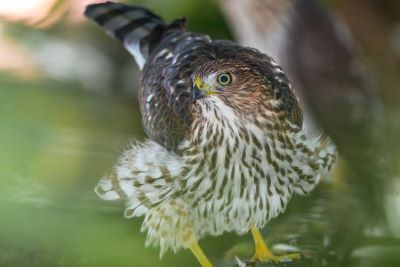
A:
(263, 254)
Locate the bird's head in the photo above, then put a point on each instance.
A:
(252, 85)
(212, 83)
(232, 81)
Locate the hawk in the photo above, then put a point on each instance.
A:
(226, 148)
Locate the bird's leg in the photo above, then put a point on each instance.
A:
(263, 254)
(199, 254)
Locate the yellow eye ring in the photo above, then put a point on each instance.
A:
(224, 79)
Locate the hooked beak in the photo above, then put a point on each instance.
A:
(197, 93)
(198, 89)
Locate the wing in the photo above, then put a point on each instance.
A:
(167, 56)
(166, 86)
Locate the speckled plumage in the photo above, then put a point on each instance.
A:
(220, 163)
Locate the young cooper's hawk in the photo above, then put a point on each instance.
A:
(226, 150)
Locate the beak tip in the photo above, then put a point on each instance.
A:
(197, 94)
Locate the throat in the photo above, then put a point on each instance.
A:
(220, 137)
(216, 126)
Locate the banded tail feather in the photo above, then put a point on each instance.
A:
(137, 28)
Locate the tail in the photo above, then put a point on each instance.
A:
(137, 28)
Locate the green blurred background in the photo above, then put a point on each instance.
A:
(68, 108)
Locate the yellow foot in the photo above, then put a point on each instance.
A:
(263, 254)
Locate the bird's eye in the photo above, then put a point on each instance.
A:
(224, 79)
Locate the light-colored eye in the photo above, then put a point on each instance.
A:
(224, 79)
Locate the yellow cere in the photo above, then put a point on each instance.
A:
(199, 83)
